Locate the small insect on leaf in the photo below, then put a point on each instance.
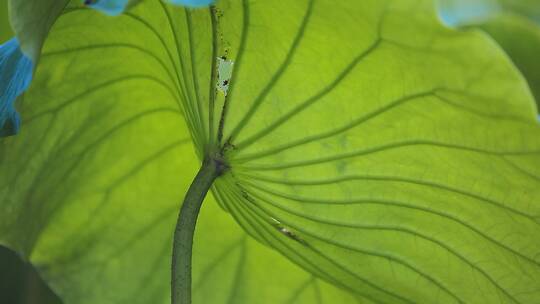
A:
(287, 232)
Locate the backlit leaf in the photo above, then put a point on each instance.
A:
(392, 158)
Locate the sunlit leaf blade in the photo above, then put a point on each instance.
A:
(91, 187)
(515, 25)
(383, 151)
(520, 38)
(234, 268)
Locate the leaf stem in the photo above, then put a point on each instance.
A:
(185, 228)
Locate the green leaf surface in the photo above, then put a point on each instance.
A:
(5, 29)
(382, 152)
(520, 38)
(515, 25)
(94, 207)
(31, 21)
(398, 139)
(529, 8)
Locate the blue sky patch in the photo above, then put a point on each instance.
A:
(462, 12)
(117, 7)
(109, 7)
(15, 77)
(192, 3)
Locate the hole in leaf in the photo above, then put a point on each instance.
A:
(225, 69)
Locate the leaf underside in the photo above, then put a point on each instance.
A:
(515, 25)
(392, 159)
(520, 39)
